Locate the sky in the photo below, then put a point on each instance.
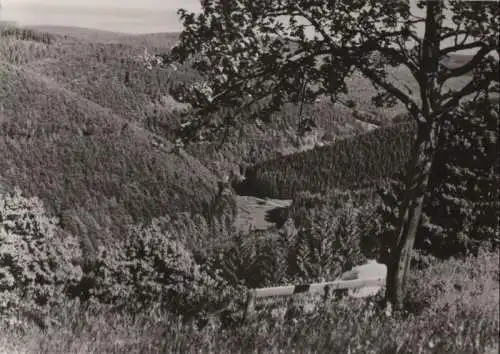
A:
(148, 4)
(132, 16)
(129, 16)
(135, 16)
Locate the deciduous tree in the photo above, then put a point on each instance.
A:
(265, 53)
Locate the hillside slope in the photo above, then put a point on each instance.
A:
(151, 40)
(88, 165)
(104, 67)
(347, 163)
(111, 75)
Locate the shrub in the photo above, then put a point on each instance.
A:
(472, 280)
(320, 239)
(151, 267)
(36, 262)
(327, 242)
(256, 259)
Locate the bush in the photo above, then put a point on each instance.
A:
(452, 283)
(254, 260)
(328, 240)
(320, 239)
(150, 267)
(36, 262)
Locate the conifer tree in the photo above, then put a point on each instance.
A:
(462, 207)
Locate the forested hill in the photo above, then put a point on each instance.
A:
(347, 163)
(97, 169)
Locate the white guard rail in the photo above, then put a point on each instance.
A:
(325, 289)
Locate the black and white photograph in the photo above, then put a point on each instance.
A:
(249, 176)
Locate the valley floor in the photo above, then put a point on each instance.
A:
(256, 213)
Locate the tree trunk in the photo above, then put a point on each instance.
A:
(419, 168)
(416, 181)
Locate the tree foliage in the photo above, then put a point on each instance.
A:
(250, 58)
(150, 268)
(461, 212)
(319, 239)
(272, 52)
(36, 258)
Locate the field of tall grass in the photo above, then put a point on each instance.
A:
(453, 307)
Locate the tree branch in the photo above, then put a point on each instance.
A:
(462, 46)
(393, 90)
(315, 24)
(453, 34)
(416, 38)
(468, 89)
(464, 69)
(404, 58)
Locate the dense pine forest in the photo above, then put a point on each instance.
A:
(347, 163)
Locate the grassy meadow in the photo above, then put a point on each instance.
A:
(454, 309)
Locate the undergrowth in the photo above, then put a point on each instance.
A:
(460, 316)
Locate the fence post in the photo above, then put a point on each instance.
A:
(326, 294)
(250, 307)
